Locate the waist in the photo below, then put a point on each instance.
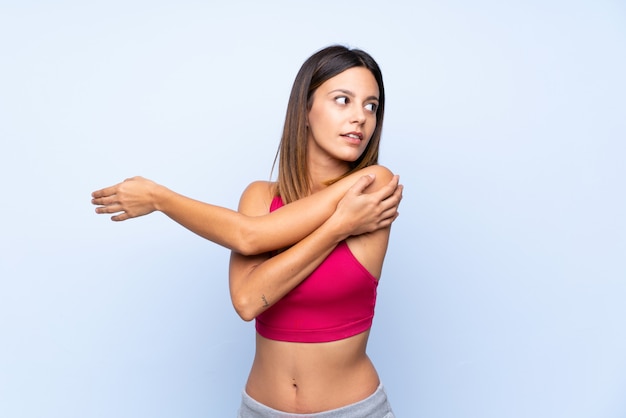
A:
(375, 405)
(311, 377)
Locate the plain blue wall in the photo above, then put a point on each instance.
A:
(503, 290)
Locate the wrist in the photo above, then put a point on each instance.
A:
(337, 229)
(160, 196)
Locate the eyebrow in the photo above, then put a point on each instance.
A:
(349, 93)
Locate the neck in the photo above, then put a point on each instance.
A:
(321, 173)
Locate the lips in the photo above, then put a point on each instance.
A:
(358, 136)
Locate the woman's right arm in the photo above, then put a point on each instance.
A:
(256, 282)
(246, 234)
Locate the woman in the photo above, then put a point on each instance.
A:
(310, 281)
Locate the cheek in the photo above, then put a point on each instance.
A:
(372, 126)
(371, 130)
(315, 119)
(322, 123)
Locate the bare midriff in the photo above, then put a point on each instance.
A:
(311, 377)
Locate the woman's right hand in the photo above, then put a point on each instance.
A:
(133, 197)
(359, 212)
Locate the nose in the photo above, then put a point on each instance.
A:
(358, 115)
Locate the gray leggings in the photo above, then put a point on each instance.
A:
(374, 406)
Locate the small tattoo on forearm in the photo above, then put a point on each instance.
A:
(265, 304)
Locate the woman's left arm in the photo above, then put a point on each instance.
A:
(257, 282)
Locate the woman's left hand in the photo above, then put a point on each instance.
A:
(359, 212)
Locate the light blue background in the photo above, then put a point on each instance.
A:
(503, 290)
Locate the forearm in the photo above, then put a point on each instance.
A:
(257, 286)
(220, 225)
(245, 234)
(248, 234)
(255, 234)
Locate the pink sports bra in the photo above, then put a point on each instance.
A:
(335, 302)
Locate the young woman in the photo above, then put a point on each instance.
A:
(308, 250)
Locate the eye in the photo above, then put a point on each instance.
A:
(341, 100)
(371, 107)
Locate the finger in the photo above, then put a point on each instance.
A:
(361, 184)
(107, 191)
(104, 201)
(389, 213)
(388, 189)
(392, 220)
(121, 217)
(392, 201)
(114, 208)
(397, 194)
(388, 221)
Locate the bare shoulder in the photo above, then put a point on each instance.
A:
(382, 175)
(378, 171)
(257, 198)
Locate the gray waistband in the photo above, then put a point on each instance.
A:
(374, 406)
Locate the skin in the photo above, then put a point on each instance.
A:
(251, 235)
(315, 377)
(360, 208)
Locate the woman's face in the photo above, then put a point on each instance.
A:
(342, 118)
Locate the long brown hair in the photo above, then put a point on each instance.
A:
(293, 179)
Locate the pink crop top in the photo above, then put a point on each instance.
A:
(335, 302)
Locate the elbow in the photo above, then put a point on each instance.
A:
(244, 308)
(246, 314)
(247, 318)
(247, 242)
